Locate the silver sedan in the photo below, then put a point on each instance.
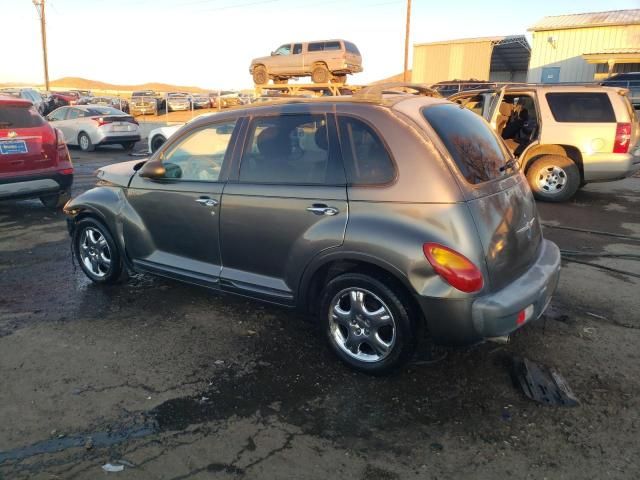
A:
(90, 126)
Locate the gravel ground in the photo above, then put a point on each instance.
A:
(177, 382)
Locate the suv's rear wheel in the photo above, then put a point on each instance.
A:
(320, 74)
(260, 76)
(55, 201)
(367, 323)
(97, 252)
(553, 178)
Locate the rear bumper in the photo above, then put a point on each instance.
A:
(115, 139)
(30, 186)
(601, 167)
(468, 321)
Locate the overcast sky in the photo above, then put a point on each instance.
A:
(210, 43)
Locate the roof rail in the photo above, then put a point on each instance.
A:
(374, 93)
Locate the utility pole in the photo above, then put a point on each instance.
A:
(405, 75)
(39, 4)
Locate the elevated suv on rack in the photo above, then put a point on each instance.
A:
(382, 215)
(563, 136)
(34, 160)
(323, 60)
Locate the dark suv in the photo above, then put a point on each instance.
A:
(34, 160)
(380, 215)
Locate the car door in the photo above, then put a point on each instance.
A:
(483, 102)
(280, 61)
(57, 119)
(69, 125)
(286, 204)
(176, 231)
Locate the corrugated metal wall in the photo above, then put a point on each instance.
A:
(571, 44)
(441, 62)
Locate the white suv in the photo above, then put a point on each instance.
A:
(563, 136)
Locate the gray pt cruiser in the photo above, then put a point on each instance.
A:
(382, 216)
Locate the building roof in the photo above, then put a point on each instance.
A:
(494, 40)
(586, 20)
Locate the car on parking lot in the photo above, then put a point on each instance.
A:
(200, 101)
(159, 135)
(323, 60)
(90, 126)
(115, 102)
(146, 101)
(177, 101)
(564, 136)
(628, 80)
(34, 160)
(30, 94)
(382, 215)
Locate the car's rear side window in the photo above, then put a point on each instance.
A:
(351, 48)
(366, 159)
(474, 147)
(332, 46)
(19, 117)
(316, 47)
(581, 107)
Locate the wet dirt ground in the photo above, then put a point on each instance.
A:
(175, 381)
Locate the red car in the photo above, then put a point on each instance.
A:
(34, 160)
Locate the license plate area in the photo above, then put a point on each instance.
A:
(13, 147)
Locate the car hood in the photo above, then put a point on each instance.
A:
(261, 60)
(119, 174)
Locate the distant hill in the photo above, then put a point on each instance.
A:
(86, 84)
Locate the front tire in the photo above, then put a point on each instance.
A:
(86, 145)
(369, 325)
(553, 178)
(157, 142)
(96, 252)
(260, 75)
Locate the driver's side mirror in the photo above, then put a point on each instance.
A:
(153, 170)
(49, 118)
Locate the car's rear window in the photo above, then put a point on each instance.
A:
(19, 117)
(474, 147)
(582, 107)
(351, 48)
(103, 111)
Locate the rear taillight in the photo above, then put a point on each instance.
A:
(101, 121)
(623, 138)
(456, 269)
(59, 137)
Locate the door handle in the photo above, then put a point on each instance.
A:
(207, 202)
(321, 209)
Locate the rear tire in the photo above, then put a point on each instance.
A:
(86, 145)
(260, 76)
(56, 201)
(369, 325)
(320, 74)
(553, 178)
(97, 253)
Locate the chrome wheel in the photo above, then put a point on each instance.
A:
(362, 325)
(552, 179)
(94, 252)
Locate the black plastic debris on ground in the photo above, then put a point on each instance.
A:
(542, 384)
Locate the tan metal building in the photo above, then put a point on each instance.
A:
(498, 59)
(585, 47)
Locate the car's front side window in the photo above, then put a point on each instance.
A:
(290, 150)
(200, 155)
(283, 50)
